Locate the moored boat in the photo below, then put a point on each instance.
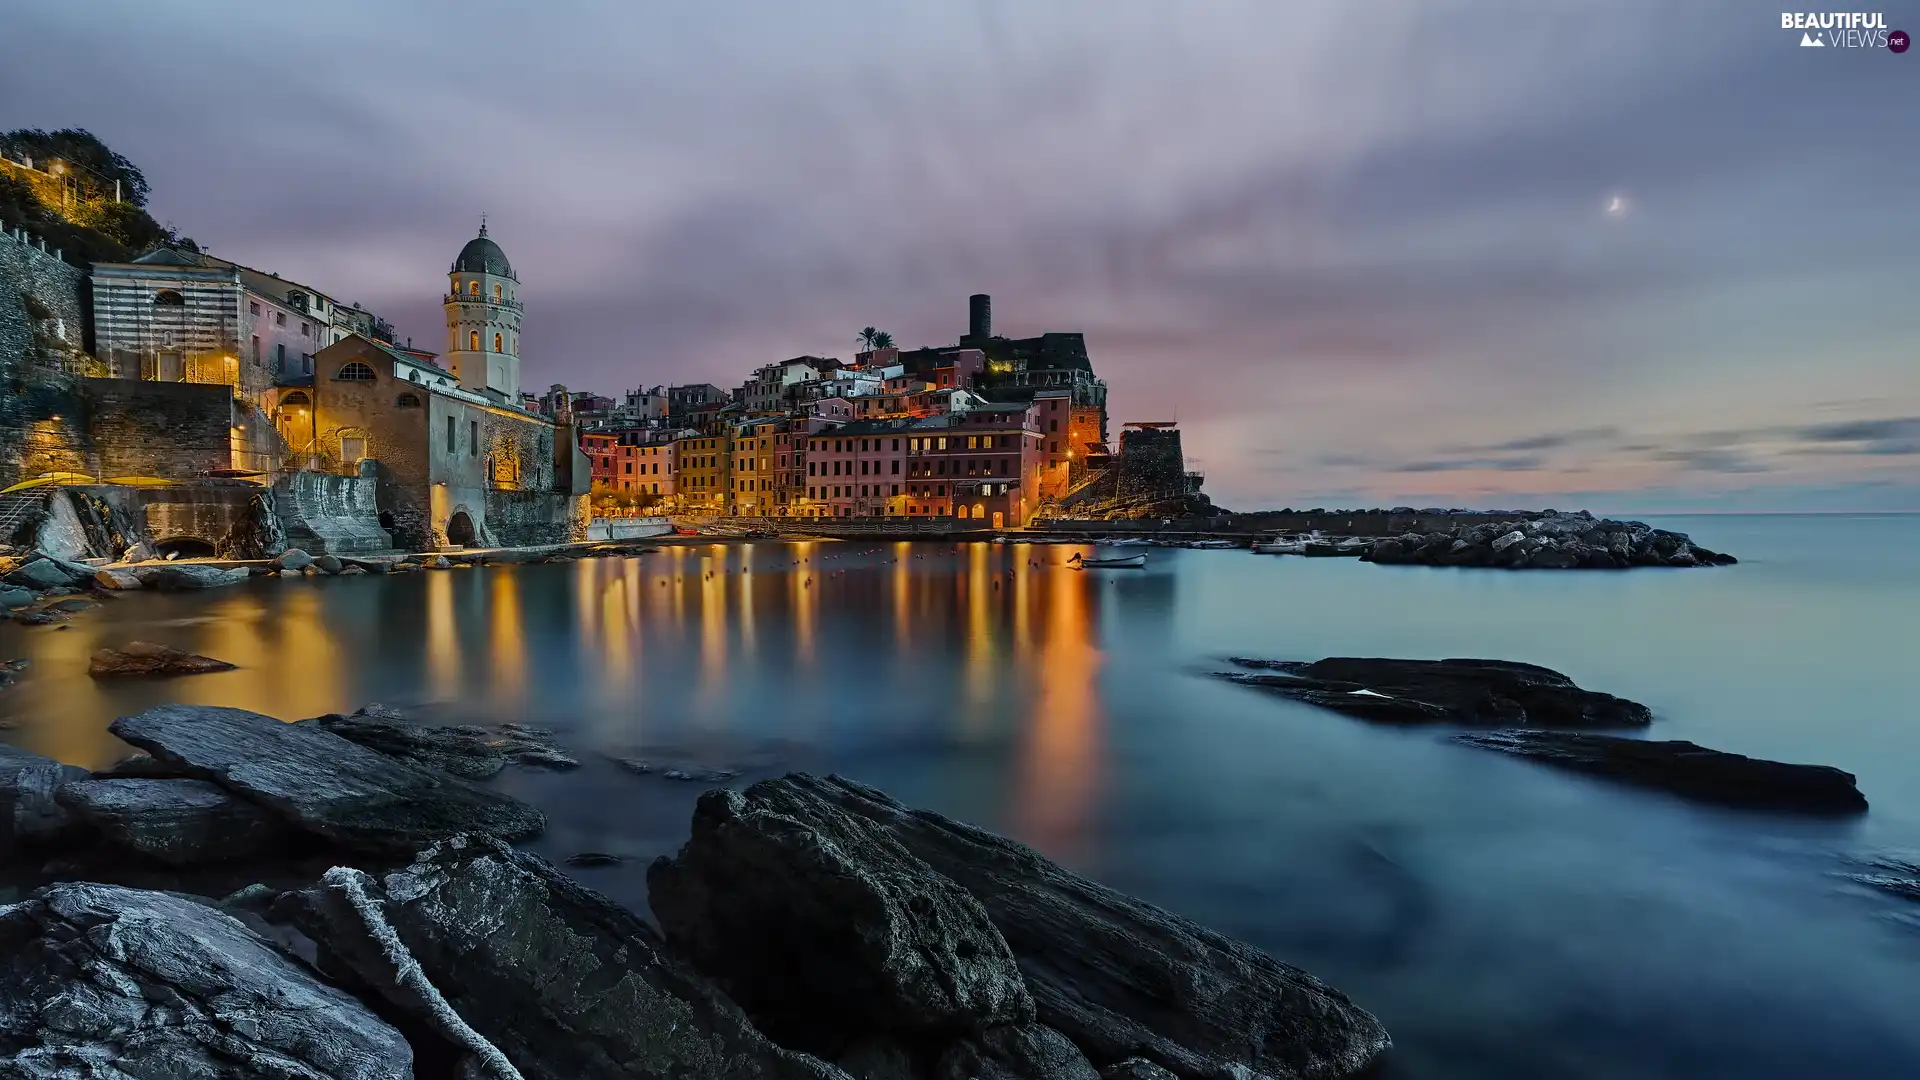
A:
(1125, 562)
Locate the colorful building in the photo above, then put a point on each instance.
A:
(858, 470)
(704, 471)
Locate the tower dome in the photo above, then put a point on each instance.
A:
(483, 256)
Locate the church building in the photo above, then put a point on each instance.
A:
(458, 460)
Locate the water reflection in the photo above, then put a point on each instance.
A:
(1059, 758)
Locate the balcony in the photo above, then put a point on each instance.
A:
(468, 298)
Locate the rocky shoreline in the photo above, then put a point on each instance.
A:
(1551, 541)
(809, 928)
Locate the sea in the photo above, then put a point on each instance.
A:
(1502, 919)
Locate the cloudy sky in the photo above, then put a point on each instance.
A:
(1626, 254)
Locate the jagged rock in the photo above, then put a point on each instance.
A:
(293, 559)
(462, 751)
(1135, 1069)
(1028, 1052)
(177, 822)
(566, 984)
(15, 598)
(683, 770)
(438, 562)
(1118, 977)
(1474, 692)
(30, 810)
(1686, 769)
(1895, 876)
(44, 572)
(876, 1057)
(191, 576)
(544, 757)
(10, 671)
(146, 658)
(141, 766)
(1549, 540)
(140, 552)
(109, 982)
(824, 927)
(327, 564)
(319, 782)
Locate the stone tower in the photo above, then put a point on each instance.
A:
(483, 319)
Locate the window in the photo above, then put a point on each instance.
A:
(279, 318)
(1006, 466)
(352, 448)
(973, 442)
(253, 309)
(473, 288)
(169, 298)
(863, 468)
(896, 464)
(1053, 447)
(306, 329)
(1053, 425)
(496, 293)
(943, 442)
(449, 434)
(354, 372)
(256, 349)
(810, 468)
(407, 401)
(297, 399)
(280, 356)
(896, 489)
(473, 341)
(473, 438)
(496, 342)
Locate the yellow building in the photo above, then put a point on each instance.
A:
(753, 487)
(705, 472)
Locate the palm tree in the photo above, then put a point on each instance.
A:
(866, 336)
(882, 340)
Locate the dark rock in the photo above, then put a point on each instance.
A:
(10, 671)
(464, 752)
(594, 859)
(545, 757)
(1475, 692)
(685, 771)
(567, 984)
(328, 564)
(192, 576)
(15, 598)
(1135, 1069)
(1895, 876)
(39, 618)
(824, 927)
(141, 766)
(30, 810)
(349, 795)
(177, 822)
(438, 562)
(1686, 769)
(877, 1057)
(1118, 977)
(45, 572)
(146, 658)
(72, 604)
(1027, 1052)
(107, 982)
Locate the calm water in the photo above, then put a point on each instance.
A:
(1504, 921)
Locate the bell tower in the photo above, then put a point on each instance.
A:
(483, 319)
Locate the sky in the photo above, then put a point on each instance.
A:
(1630, 255)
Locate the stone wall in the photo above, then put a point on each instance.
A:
(43, 320)
(235, 518)
(531, 518)
(329, 513)
(173, 430)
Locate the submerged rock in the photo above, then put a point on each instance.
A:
(106, 982)
(824, 927)
(1550, 540)
(178, 822)
(324, 784)
(44, 572)
(566, 984)
(462, 751)
(1118, 977)
(1895, 876)
(10, 671)
(1473, 692)
(146, 658)
(1685, 769)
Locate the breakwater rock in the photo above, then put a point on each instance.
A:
(1558, 541)
(1685, 769)
(1474, 693)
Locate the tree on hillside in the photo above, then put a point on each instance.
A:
(99, 165)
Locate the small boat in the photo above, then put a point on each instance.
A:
(1281, 547)
(1128, 541)
(1125, 562)
(1213, 545)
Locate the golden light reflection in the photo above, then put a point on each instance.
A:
(746, 604)
(508, 638)
(713, 631)
(443, 641)
(902, 595)
(1059, 760)
(800, 580)
(977, 673)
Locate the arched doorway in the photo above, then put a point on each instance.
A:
(184, 547)
(295, 421)
(999, 519)
(460, 529)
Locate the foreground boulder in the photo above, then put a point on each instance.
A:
(1117, 977)
(44, 572)
(177, 822)
(563, 982)
(463, 751)
(30, 811)
(108, 982)
(1686, 769)
(180, 578)
(825, 928)
(146, 658)
(1479, 693)
(1027, 1052)
(323, 784)
(1548, 541)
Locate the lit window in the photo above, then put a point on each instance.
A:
(473, 288)
(473, 341)
(355, 372)
(496, 293)
(496, 342)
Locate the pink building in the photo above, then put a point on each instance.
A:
(857, 470)
(985, 465)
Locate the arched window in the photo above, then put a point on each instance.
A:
(496, 343)
(297, 399)
(413, 375)
(407, 401)
(473, 341)
(169, 298)
(355, 372)
(496, 293)
(473, 288)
